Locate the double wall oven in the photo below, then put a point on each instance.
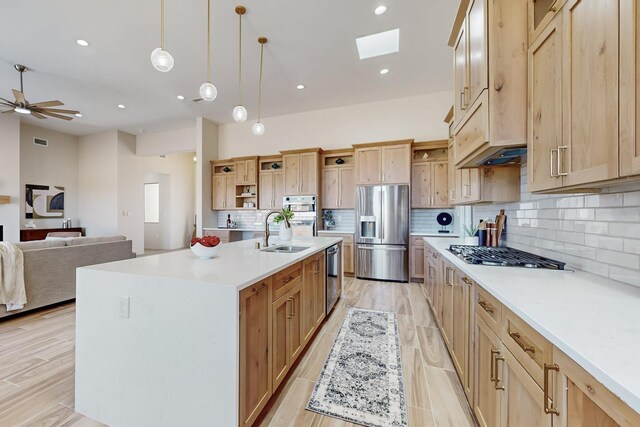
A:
(305, 218)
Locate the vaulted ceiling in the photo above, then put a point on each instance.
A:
(310, 43)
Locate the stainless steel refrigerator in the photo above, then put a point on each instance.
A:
(382, 232)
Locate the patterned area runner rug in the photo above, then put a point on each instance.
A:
(361, 381)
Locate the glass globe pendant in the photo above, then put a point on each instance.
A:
(161, 60)
(257, 129)
(239, 114)
(208, 91)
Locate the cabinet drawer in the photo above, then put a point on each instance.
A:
(285, 279)
(530, 348)
(489, 309)
(429, 252)
(346, 237)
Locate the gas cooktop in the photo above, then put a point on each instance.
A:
(503, 257)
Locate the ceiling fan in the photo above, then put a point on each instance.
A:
(38, 110)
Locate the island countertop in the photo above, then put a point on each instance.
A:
(237, 264)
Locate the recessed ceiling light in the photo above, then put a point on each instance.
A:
(180, 97)
(384, 71)
(120, 106)
(82, 43)
(379, 44)
(380, 10)
(78, 115)
(300, 87)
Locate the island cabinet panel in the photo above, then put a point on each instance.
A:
(583, 401)
(280, 340)
(255, 357)
(296, 340)
(313, 294)
(447, 307)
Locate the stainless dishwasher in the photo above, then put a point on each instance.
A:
(334, 277)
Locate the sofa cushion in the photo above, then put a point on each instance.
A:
(90, 240)
(59, 239)
(40, 244)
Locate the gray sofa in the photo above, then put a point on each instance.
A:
(50, 266)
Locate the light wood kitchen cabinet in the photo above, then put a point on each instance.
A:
(348, 250)
(301, 171)
(429, 185)
(287, 339)
(489, 40)
(416, 260)
(432, 275)
(246, 170)
(447, 306)
(224, 191)
(339, 188)
(487, 396)
(486, 185)
(383, 163)
(583, 401)
(271, 190)
(255, 357)
(630, 88)
(540, 13)
(313, 294)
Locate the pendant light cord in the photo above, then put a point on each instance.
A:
(260, 85)
(162, 24)
(209, 40)
(240, 63)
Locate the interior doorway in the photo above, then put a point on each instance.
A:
(157, 202)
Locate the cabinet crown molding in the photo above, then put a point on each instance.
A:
(384, 143)
(303, 150)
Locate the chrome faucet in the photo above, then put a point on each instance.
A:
(266, 225)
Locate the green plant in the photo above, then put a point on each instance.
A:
(470, 231)
(327, 215)
(288, 215)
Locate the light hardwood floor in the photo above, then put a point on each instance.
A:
(37, 365)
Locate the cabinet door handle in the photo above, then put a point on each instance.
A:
(551, 174)
(467, 281)
(496, 360)
(561, 160)
(257, 290)
(463, 107)
(492, 365)
(549, 409)
(520, 341)
(289, 315)
(553, 7)
(293, 307)
(486, 306)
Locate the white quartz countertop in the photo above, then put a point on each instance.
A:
(335, 232)
(235, 229)
(592, 319)
(236, 264)
(432, 233)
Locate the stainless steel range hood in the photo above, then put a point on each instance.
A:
(504, 157)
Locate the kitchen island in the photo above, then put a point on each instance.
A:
(172, 340)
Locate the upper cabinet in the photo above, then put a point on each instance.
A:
(489, 39)
(223, 185)
(582, 95)
(338, 180)
(383, 163)
(301, 171)
(271, 188)
(246, 170)
(430, 175)
(541, 12)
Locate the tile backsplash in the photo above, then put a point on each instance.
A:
(598, 233)
(423, 220)
(345, 219)
(246, 219)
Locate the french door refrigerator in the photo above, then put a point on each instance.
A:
(382, 232)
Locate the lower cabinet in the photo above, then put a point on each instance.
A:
(416, 260)
(446, 325)
(287, 332)
(255, 357)
(487, 396)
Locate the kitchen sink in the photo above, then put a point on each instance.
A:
(285, 249)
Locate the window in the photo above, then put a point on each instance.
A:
(152, 203)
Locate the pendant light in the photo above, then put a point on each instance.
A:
(160, 58)
(208, 91)
(240, 113)
(258, 128)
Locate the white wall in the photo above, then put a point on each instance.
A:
(98, 183)
(10, 176)
(56, 165)
(173, 141)
(207, 149)
(420, 117)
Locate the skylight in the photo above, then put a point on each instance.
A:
(379, 44)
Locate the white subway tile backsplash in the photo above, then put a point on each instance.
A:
(597, 233)
(423, 220)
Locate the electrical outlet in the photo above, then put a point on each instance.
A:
(125, 307)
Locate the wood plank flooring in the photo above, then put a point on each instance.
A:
(37, 365)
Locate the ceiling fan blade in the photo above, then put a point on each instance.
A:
(46, 104)
(8, 111)
(7, 101)
(19, 96)
(6, 104)
(55, 110)
(37, 115)
(57, 116)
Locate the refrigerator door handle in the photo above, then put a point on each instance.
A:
(382, 248)
(382, 219)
